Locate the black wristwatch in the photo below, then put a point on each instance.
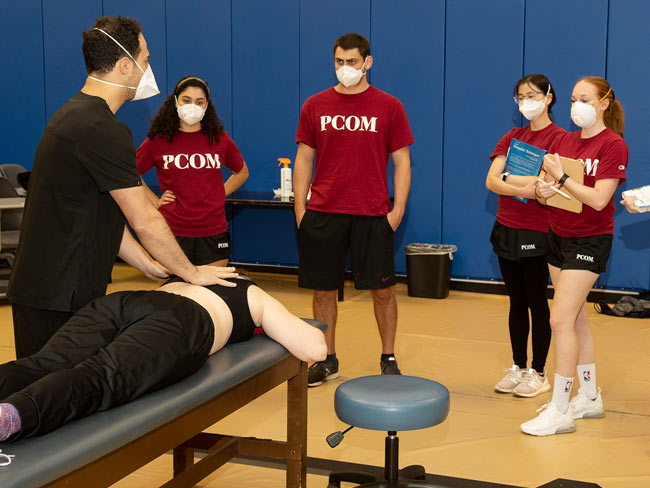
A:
(504, 176)
(562, 179)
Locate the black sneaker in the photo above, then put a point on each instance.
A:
(389, 366)
(323, 371)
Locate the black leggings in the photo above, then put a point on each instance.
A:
(526, 281)
(113, 350)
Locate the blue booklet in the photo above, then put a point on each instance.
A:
(524, 160)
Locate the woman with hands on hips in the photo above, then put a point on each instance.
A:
(519, 240)
(188, 145)
(579, 246)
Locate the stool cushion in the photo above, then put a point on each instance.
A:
(391, 402)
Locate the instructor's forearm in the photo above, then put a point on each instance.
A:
(157, 238)
(153, 231)
(150, 195)
(132, 252)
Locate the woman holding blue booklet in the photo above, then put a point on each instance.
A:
(578, 247)
(519, 239)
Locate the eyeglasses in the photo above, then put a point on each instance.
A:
(532, 95)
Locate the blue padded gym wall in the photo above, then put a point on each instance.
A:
(408, 47)
(627, 68)
(483, 61)
(452, 63)
(22, 105)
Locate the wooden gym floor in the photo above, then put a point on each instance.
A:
(462, 342)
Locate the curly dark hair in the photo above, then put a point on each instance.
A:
(100, 51)
(167, 123)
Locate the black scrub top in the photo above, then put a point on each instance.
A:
(72, 228)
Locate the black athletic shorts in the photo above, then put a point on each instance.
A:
(515, 244)
(206, 250)
(589, 253)
(323, 243)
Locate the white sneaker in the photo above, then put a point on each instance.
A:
(512, 378)
(581, 407)
(550, 421)
(532, 384)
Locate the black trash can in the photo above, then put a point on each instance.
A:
(428, 269)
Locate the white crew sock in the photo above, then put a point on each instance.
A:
(587, 378)
(561, 392)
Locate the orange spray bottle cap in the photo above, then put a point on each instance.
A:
(285, 161)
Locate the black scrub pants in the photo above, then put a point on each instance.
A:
(113, 350)
(29, 339)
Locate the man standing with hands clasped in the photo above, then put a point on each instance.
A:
(351, 129)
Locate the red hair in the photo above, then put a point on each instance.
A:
(613, 116)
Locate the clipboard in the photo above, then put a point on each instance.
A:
(575, 170)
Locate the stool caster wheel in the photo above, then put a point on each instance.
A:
(413, 472)
(357, 477)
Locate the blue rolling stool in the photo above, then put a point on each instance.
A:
(390, 403)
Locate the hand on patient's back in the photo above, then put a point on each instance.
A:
(214, 275)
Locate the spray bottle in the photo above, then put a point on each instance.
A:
(286, 183)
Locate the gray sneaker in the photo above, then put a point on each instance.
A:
(323, 371)
(389, 366)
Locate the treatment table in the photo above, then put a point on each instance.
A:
(103, 448)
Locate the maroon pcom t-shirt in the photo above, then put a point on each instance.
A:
(190, 167)
(514, 213)
(604, 156)
(353, 136)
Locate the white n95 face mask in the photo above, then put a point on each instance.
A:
(532, 108)
(349, 76)
(190, 113)
(583, 114)
(147, 86)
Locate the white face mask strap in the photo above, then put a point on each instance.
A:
(123, 49)
(114, 84)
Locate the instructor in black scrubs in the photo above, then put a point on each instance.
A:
(84, 187)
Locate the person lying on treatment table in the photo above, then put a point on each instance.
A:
(128, 343)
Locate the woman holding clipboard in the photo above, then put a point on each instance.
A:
(519, 240)
(579, 246)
